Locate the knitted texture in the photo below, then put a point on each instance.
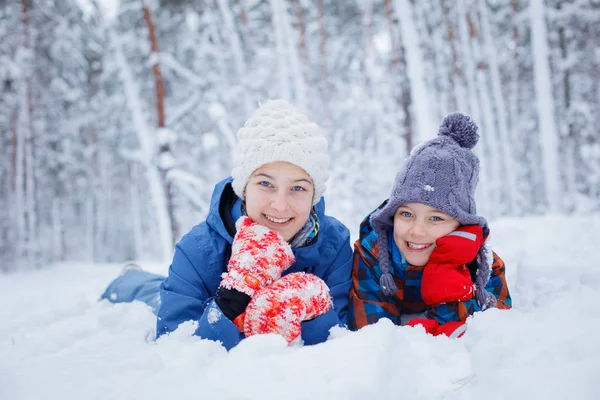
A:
(485, 260)
(441, 173)
(281, 307)
(277, 131)
(446, 277)
(258, 258)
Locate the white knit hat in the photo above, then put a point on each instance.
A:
(277, 131)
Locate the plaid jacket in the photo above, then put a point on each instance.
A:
(368, 304)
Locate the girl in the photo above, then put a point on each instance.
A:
(267, 259)
(420, 258)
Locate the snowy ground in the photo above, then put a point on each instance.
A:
(58, 342)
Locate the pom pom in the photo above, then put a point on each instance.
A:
(461, 128)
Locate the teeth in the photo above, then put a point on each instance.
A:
(417, 246)
(277, 220)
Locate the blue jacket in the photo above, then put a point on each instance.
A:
(201, 258)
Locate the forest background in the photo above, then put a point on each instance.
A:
(118, 117)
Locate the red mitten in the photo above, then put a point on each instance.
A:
(446, 277)
(281, 307)
(452, 329)
(430, 325)
(258, 258)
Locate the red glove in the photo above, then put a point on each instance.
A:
(452, 329)
(281, 307)
(446, 277)
(258, 258)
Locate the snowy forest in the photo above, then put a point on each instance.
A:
(118, 117)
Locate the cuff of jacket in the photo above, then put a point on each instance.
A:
(448, 312)
(317, 330)
(214, 325)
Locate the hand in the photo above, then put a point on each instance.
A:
(232, 303)
(446, 277)
(258, 258)
(458, 247)
(452, 329)
(281, 307)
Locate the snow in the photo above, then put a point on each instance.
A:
(110, 9)
(58, 342)
(217, 111)
(192, 20)
(214, 315)
(210, 141)
(382, 43)
(165, 136)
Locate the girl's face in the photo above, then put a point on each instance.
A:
(279, 196)
(417, 227)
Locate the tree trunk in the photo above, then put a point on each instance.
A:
(238, 52)
(304, 58)
(243, 13)
(545, 105)
(301, 30)
(158, 80)
(492, 158)
(324, 78)
(570, 139)
(287, 47)
(147, 140)
(507, 160)
(423, 128)
(455, 72)
(323, 50)
(14, 145)
(164, 150)
(136, 217)
(401, 92)
(26, 126)
(284, 90)
(474, 106)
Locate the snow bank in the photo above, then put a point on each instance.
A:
(58, 342)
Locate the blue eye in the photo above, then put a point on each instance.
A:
(406, 214)
(265, 184)
(298, 189)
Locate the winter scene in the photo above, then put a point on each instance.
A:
(299, 199)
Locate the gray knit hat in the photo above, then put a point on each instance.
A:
(441, 173)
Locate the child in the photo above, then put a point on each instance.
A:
(284, 267)
(420, 258)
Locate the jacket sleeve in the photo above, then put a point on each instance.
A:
(368, 303)
(186, 296)
(460, 311)
(497, 284)
(338, 280)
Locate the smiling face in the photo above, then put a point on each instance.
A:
(417, 227)
(279, 196)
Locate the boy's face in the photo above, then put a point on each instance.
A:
(417, 227)
(279, 196)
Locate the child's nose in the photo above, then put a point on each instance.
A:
(417, 229)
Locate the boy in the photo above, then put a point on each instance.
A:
(420, 258)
